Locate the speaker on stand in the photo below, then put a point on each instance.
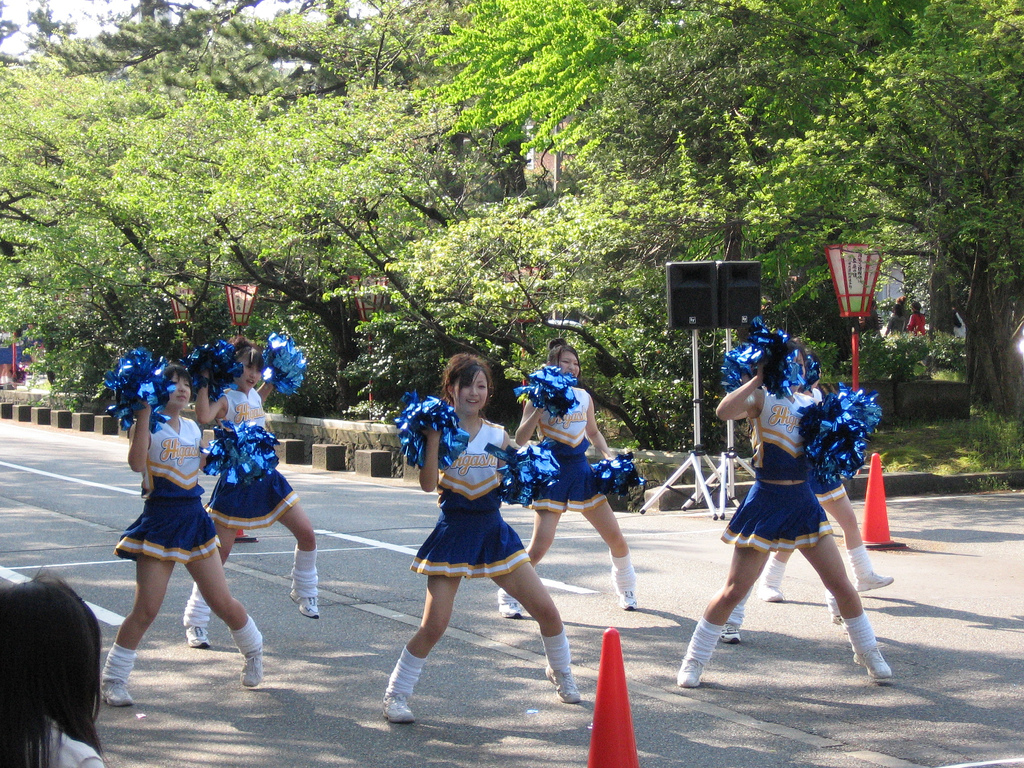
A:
(709, 294)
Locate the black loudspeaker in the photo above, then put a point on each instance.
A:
(692, 294)
(739, 292)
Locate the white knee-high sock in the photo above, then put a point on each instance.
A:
(705, 638)
(623, 575)
(556, 649)
(773, 572)
(740, 611)
(248, 639)
(119, 664)
(304, 575)
(197, 612)
(860, 561)
(862, 635)
(405, 674)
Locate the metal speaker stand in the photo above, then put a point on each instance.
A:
(729, 460)
(697, 459)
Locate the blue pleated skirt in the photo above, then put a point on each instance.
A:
(827, 493)
(170, 529)
(574, 491)
(470, 544)
(773, 517)
(257, 504)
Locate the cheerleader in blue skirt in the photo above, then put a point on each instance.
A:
(173, 528)
(471, 540)
(256, 504)
(575, 490)
(779, 512)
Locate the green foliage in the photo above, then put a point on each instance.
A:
(898, 356)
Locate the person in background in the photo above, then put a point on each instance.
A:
(50, 667)
(959, 325)
(916, 326)
(898, 319)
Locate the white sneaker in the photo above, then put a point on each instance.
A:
(628, 601)
(689, 674)
(197, 637)
(871, 581)
(508, 606)
(396, 708)
(833, 609)
(873, 662)
(307, 605)
(252, 673)
(730, 634)
(770, 594)
(115, 693)
(565, 685)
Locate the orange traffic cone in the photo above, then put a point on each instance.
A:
(876, 518)
(612, 743)
(240, 537)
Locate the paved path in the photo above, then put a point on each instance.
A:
(952, 627)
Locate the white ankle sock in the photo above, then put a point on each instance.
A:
(556, 648)
(405, 674)
(705, 638)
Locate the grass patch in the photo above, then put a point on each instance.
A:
(983, 443)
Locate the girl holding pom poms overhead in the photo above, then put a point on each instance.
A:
(173, 528)
(779, 512)
(470, 540)
(249, 503)
(572, 429)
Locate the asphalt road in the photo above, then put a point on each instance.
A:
(951, 627)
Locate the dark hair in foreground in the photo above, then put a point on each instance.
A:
(50, 668)
(555, 349)
(460, 372)
(249, 352)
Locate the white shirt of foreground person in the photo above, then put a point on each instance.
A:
(74, 754)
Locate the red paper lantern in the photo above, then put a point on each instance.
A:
(180, 308)
(855, 271)
(240, 301)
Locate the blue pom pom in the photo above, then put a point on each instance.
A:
(782, 372)
(218, 360)
(550, 390)
(241, 453)
(284, 365)
(526, 472)
(617, 475)
(137, 380)
(835, 433)
(429, 413)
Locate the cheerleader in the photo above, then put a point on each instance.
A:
(836, 503)
(779, 512)
(575, 490)
(471, 540)
(173, 528)
(256, 504)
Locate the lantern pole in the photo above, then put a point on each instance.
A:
(182, 313)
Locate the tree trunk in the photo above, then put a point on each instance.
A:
(994, 364)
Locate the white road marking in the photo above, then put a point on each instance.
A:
(101, 614)
(130, 492)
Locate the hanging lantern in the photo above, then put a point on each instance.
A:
(855, 271)
(182, 314)
(240, 301)
(368, 299)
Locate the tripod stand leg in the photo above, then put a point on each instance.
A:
(667, 485)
